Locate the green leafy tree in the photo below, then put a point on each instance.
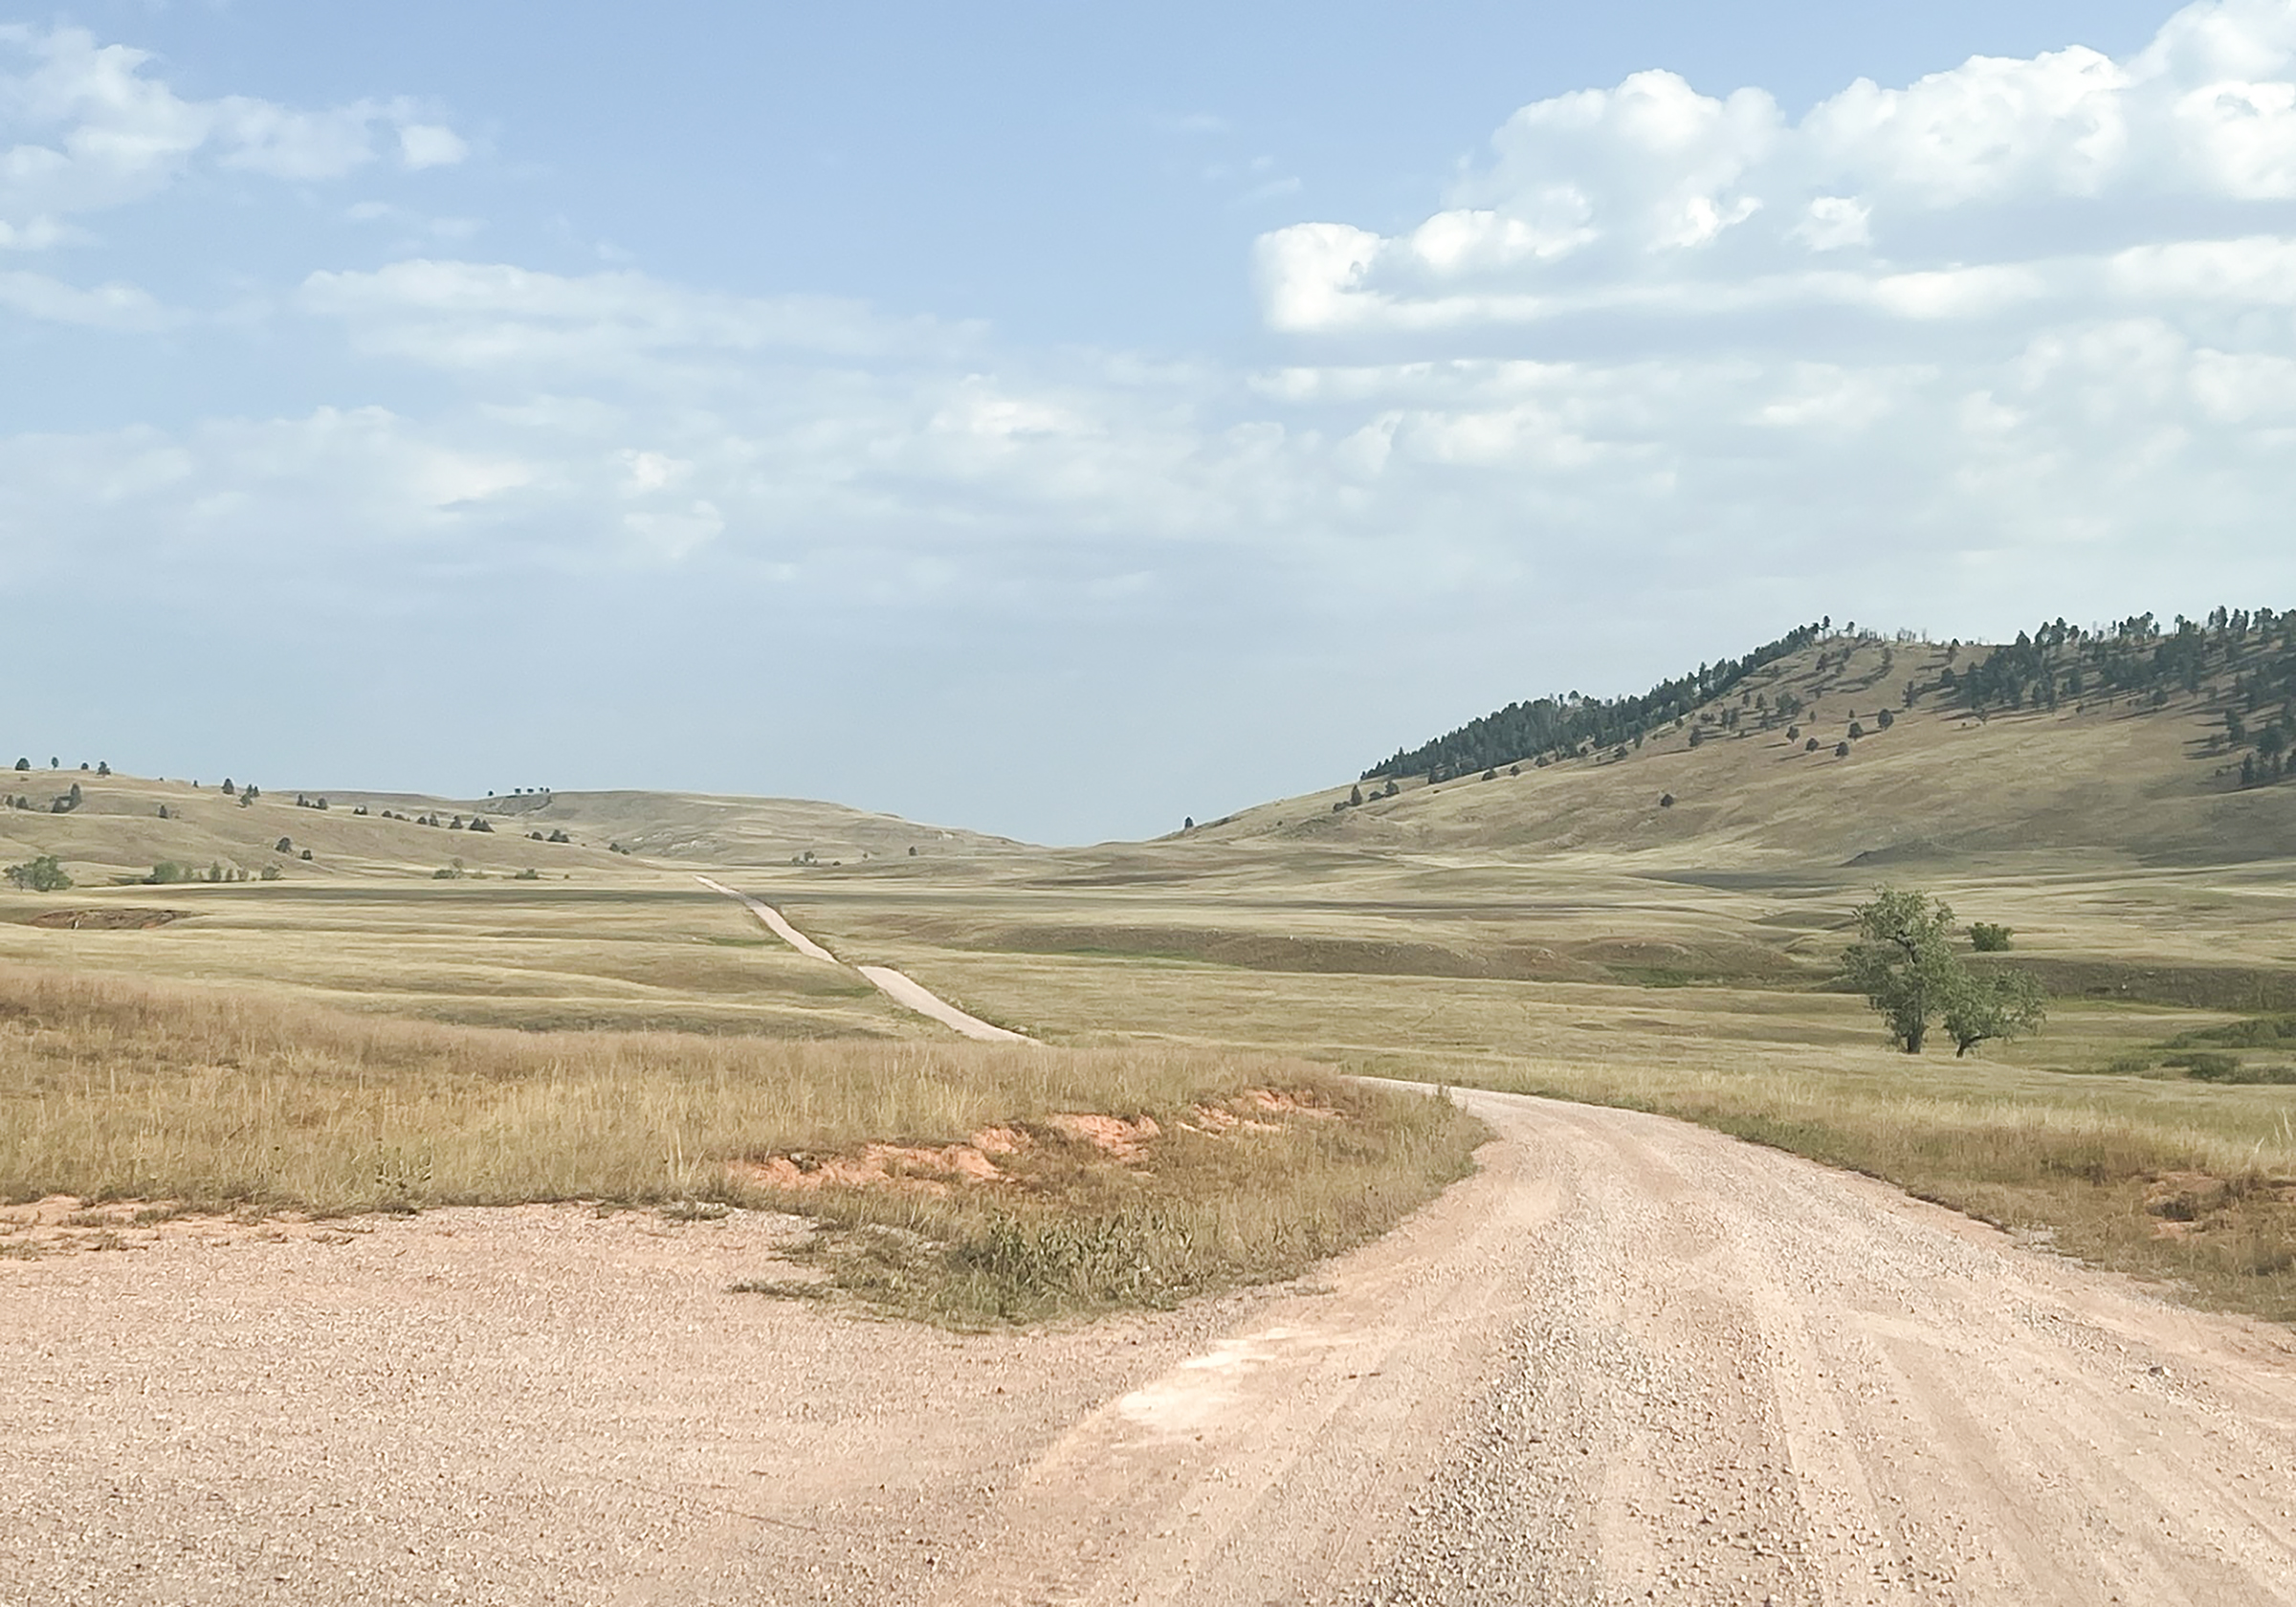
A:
(1992, 1005)
(40, 876)
(23, 763)
(1988, 937)
(1903, 961)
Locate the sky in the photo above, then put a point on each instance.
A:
(1059, 419)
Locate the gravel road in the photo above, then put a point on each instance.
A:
(899, 987)
(1632, 1360)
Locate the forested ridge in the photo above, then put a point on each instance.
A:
(1562, 724)
(2238, 663)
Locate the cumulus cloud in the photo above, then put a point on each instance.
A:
(95, 130)
(2019, 336)
(1945, 198)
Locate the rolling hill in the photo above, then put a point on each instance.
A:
(125, 825)
(1841, 748)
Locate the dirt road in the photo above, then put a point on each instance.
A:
(1632, 1360)
(902, 989)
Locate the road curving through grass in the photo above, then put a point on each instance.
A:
(903, 990)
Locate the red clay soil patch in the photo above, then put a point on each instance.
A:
(2186, 1197)
(1111, 1135)
(2191, 1205)
(106, 920)
(937, 1169)
(1279, 1102)
(899, 1166)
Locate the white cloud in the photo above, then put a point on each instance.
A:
(94, 130)
(429, 145)
(1668, 351)
(502, 321)
(109, 306)
(1946, 198)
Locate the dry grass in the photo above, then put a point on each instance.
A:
(112, 1089)
(2082, 1175)
(2040, 1138)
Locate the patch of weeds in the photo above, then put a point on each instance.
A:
(2210, 1066)
(695, 1210)
(2257, 1032)
(2242, 1073)
(1658, 976)
(19, 1250)
(785, 1289)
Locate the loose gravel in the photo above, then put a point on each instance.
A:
(1630, 1361)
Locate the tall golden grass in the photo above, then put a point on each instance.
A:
(2092, 1180)
(116, 1088)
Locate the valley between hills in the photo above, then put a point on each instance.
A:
(1469, 1182)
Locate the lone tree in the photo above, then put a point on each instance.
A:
(1905, 965)
(1903, 962)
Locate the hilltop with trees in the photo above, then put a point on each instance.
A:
(2133, 737)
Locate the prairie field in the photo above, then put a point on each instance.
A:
(410, 1017)
(167, 1099)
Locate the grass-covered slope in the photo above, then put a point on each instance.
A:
(124, 826)
(2159, 745)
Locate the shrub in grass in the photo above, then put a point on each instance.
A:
(39, 875)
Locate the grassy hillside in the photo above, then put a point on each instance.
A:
(124, 826)
(2150, 776)
(1653, 922)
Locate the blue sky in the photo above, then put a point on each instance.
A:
(1062, 419)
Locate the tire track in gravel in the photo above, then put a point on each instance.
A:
(1630, 1360)
(1638, 1360)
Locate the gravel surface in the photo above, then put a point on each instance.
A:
(1631, 1361)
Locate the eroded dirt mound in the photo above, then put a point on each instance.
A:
(106, 920)
(2255, 1216)
(999, 1156)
